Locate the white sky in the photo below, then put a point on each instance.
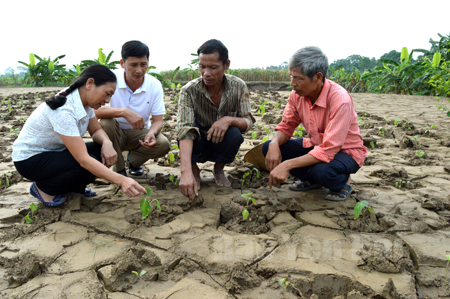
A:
(256, 33)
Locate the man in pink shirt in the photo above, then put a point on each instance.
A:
(334, 148)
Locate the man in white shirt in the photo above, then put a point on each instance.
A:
(126, 119)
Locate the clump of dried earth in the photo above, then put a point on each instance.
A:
(91, 247)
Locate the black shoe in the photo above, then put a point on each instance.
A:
(134, 171)
(123, 172)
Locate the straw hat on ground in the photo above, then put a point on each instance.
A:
(256, 157)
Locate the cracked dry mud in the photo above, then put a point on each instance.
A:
(90, 247)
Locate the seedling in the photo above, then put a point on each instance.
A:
(395, 121)
(372, 144)
(245, 212)
(420, 154)
(172, 179)
(277, 105)
(33, 208)
(146, 206)
(172, 157)
(249, 171)
(139, 274)
(7, 178)
(381, 131)
(359, 206)
(416, 137)
(254, 133)
(299, 131)
(284, 284)
(401, 183)
(174, 146)
(429, 128)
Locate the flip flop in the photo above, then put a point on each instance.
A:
(57, 200)
(343, 194)
(89, 193)
(303, 186)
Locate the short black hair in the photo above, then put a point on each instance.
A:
(134, 48)
(214, 46)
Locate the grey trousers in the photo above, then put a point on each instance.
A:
(128, 140)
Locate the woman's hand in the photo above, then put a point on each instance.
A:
(131, 188)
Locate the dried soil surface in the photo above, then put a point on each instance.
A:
(91, 247)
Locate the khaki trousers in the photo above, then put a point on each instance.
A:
(128, 140)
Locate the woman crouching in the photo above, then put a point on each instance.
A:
(50, 150)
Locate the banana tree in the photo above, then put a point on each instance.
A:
(102, 59)
(45, 71)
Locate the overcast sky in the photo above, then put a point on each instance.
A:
(256, 33)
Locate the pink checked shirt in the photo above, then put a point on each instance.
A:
(331, 123)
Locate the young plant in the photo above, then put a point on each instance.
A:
(395, 121)
(359, 206)
(420, 153)
(381, 131)
(33, 208)
(400, 183)
(7, 178)
(372, 144)
(139, 274)
(429, 128)
(245, 212)
(254, 133)
(284, 283)
(249, 171)
(173, 180)
(299, 131)
(145, 204)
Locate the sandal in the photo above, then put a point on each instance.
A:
(89, 193)
(303, 186)
(57, 200)
(341, 195)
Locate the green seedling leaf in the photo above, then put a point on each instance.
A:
(158, 206)
(146, 208)
(265, 139)
(171, 178)
(258, 174)
(33, 207)
(420, 153)
(27, 219)
(372, 144)
(281, 281)
(172, 157)
(245, 214)
(246, 195)
(447, 256)
(174, 146)
(254, 134)
(252, 199)
(149, 192)
(358, 208)
(134, 272)
(142, 272)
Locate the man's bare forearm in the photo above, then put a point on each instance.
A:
(237, 122)
(279, 139)
(186, 146)
(109, 112)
